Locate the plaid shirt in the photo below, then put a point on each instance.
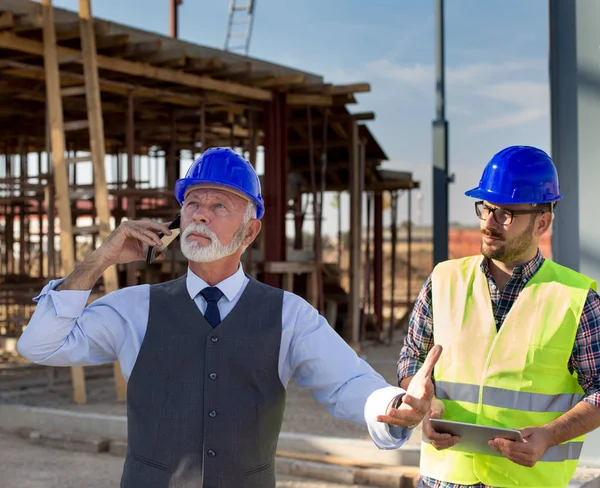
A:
(585, 359)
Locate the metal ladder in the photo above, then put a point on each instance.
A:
(244, 20)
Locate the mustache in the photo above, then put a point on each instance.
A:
(492, 233)
(199, 228)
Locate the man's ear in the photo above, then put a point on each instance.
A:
(544, 223)
(252, 231)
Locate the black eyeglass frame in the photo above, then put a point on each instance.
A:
(480, 205)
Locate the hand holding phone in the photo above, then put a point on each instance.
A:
(155, 251)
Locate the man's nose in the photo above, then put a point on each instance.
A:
(200, 215)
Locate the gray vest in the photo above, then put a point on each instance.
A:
(205, 406)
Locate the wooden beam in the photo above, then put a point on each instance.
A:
(295, 267)
(134, 50)
(343, 118)
(73, 91)
(61, 182)
(8, 40)
(7, 20)
(98, 152)
(339, 130)
(232, 69)
(303, 146)
(109, 42)
(349, 89)
(37, 73)
(204, 65)
(67, 32)
(296, 99)
(287, 80)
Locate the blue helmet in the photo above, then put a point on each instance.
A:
(221, 167)
(518, 174)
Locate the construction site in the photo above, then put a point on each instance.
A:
(98, 119)
(122, 114)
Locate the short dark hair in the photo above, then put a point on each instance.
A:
(546, 207)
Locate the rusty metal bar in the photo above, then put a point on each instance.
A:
(275, 187)
(10, 232)
(172, 156)
(316, 216)
(203, 127)
(174, 17)
(40, 216)
(298, 222)
(394, 239)
(22, 204)
(340, 237)
(378, 261)
(356, 177)
(409, 249)
(323, 168)
(130, 268)
(253, 136)
(366, 294)
(49, 194)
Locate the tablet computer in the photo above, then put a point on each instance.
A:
(474, 438)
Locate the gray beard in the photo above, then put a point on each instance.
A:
(196, 252)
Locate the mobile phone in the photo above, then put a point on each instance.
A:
(154, 251)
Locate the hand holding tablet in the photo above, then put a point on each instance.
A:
(474, 438)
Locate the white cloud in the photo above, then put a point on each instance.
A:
(515, 84)
(512, 119)
(529, 102)
(467, 74)
(411, 74)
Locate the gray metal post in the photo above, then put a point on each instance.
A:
(588, 117)
(575, 99)
(440, 148)
(564, 130)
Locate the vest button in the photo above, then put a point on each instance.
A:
(213, 376)
(212, 414)
(214, 339)
(211, 453)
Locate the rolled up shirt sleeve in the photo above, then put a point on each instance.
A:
(63, 331)
(585, 359)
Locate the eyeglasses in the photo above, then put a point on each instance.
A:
(502, 216)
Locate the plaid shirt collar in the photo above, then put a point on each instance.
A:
(525, 271)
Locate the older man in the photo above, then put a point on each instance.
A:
(209, 355)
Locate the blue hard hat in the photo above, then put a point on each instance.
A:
(518, 174)
(222, 167)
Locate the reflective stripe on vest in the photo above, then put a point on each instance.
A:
(498, 397)
(515, 377)
(554, 454)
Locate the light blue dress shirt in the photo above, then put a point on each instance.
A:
(64, 332)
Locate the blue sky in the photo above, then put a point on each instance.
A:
(496, 59)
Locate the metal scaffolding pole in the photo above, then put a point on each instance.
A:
(440, 147)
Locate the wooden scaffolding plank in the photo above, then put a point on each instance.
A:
(57, 139)
(9, 40)
(98, 152)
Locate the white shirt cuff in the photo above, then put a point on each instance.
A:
(383, 435)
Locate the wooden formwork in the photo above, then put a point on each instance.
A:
(130, 109)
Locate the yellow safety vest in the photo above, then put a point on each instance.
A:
(515, 378)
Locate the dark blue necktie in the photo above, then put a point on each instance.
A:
(212, 295)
